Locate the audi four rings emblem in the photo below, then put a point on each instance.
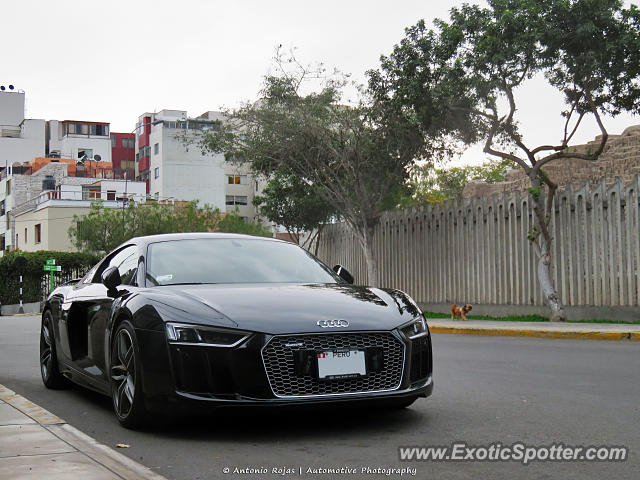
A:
(332, 323)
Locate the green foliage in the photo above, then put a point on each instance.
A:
(453, 76)
(444, 184)
(103, 229)
(233, 223)
(73, 265)
(288, 201)
(535, 192)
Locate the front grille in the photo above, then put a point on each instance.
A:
(280, 364)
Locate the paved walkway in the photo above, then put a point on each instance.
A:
(36, 444)
(583, 331)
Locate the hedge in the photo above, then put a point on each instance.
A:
(34, 286)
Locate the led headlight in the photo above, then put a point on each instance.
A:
(200, 335)
(416, 329)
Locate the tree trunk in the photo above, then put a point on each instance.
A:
(370, 258)
(551, 296)
(542, 240)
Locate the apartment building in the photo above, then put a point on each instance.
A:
(175, 168)
(20, 183)
(43, 222)
(79, 139)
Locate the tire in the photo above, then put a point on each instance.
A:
(126, 381)
(49, 368)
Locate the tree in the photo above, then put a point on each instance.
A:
(474, 64)
(428, 185)
(288, 201)
(353, 157)
(103, 229)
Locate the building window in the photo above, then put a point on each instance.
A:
(156, 149)
(236, 200)
(8, 189)
(237, 179)
(88, 152)
(156, 172)
(91, 193)
(1, 208)
(114, 142)
(111, 194)
(78, 128)
(38, 233)
(128, 143)
(156, 195)
(99, 130)
(145, 151)
(25, 235)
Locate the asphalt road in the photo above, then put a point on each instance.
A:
(487, 389)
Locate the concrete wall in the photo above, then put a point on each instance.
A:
(477, 251)
(620, 158)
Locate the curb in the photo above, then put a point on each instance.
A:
(119, 464)
(561, 334)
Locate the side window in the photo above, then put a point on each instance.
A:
(121, 256)
(115, 261)
(128, 269)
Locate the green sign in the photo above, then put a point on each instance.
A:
(51, 267)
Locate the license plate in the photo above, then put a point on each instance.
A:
(338, 364)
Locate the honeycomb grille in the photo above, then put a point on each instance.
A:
(279, 364)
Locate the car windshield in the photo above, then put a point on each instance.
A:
(233, 260)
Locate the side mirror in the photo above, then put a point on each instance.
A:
(343, 273)
(111, 278)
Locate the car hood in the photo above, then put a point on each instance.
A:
(287, 308)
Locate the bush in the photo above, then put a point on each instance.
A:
(34, 278)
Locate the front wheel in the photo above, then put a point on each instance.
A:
(49, 369)
(126, 391)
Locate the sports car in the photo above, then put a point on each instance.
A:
(216, 320)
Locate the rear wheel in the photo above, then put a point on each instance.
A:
(49, 369)
(126, 391)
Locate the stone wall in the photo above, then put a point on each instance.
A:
(621, 158)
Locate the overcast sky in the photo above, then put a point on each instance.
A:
(112, 61)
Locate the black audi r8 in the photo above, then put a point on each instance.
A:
(214, 320)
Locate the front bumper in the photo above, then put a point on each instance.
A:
(212, 377)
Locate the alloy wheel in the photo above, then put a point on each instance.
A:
(123, 373)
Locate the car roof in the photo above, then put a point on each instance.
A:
(193, 235)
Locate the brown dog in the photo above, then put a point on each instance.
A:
(461, 312)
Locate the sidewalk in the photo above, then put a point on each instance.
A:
(36, 444)
(582, 331)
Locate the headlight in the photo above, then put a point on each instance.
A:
(416, 329)
(198, 335)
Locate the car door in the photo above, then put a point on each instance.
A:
(86, 315)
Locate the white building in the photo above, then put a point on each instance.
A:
(176, 169)
(75, 139)
(21, 139)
